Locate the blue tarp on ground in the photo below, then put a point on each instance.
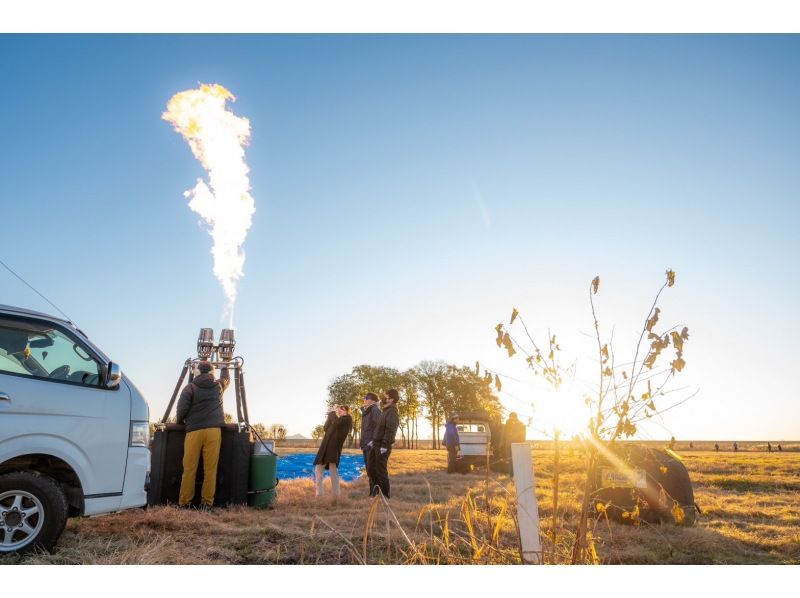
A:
(301, 465)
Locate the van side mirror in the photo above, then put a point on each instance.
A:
(113, 375)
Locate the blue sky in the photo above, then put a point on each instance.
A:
(410, 191)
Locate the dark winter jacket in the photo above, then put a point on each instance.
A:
(370, 416)
(451, 435)
(386, 429)
(513, 431)
(336, 431)
(200, 405)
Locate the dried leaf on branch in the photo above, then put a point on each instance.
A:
(508, 344)
(653, 320)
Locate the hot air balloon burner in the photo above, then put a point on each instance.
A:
(220, 355)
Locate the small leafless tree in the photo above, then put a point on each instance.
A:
(624, 394)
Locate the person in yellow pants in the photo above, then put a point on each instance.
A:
(200, 409)
(208, 442)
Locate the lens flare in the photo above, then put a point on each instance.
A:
(217, 138)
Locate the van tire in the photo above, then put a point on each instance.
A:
(54, 506)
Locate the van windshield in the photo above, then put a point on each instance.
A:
(45, 353)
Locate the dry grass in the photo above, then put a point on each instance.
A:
(750, 503)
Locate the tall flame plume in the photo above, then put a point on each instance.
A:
(217, 138)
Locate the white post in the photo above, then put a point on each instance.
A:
(527, 508)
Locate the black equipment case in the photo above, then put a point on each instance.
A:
(166, 467)
(667, 486)
(233, 471)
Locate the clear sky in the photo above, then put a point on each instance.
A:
(409, 192)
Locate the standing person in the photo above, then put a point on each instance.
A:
(716, 447)
(735, 447)
(382, 442)
(513, 431)
(200, 409)
(337, 427)
(452, 443)
(370, 415)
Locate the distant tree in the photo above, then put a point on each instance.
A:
(345, 390)
(431, 389)
(277, 431)
(432, 380)
(469, 391)
(410, 408)
(261, 430)
(318, 432)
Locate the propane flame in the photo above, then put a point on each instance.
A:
(217, 138)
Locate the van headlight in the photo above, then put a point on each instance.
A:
(140, 434)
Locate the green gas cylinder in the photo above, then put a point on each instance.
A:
(263, 479)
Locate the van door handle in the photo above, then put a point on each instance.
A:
(4, 397)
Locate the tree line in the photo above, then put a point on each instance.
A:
(432, 390)
(271, 432)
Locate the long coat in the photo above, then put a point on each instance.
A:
(336, 431)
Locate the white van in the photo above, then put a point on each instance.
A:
(74, 432)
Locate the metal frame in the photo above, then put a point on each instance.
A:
(236, 364)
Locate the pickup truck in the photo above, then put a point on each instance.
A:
(74, 431)
(475, 438)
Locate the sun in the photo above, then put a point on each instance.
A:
(563, 410)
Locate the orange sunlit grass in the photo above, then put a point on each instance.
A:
(748, 517)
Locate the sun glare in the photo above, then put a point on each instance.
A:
(563, 410)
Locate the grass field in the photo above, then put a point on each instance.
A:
(750, 504)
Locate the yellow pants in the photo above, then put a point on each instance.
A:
(207, 441)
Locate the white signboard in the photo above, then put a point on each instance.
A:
(614, 478)
(527, 507)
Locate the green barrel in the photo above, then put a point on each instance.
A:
(263, 479)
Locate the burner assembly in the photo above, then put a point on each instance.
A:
(246, 472)
(222, 352)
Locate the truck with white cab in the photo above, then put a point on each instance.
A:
(74, 431)
(475, 439)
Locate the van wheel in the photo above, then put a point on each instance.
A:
(33, 512)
